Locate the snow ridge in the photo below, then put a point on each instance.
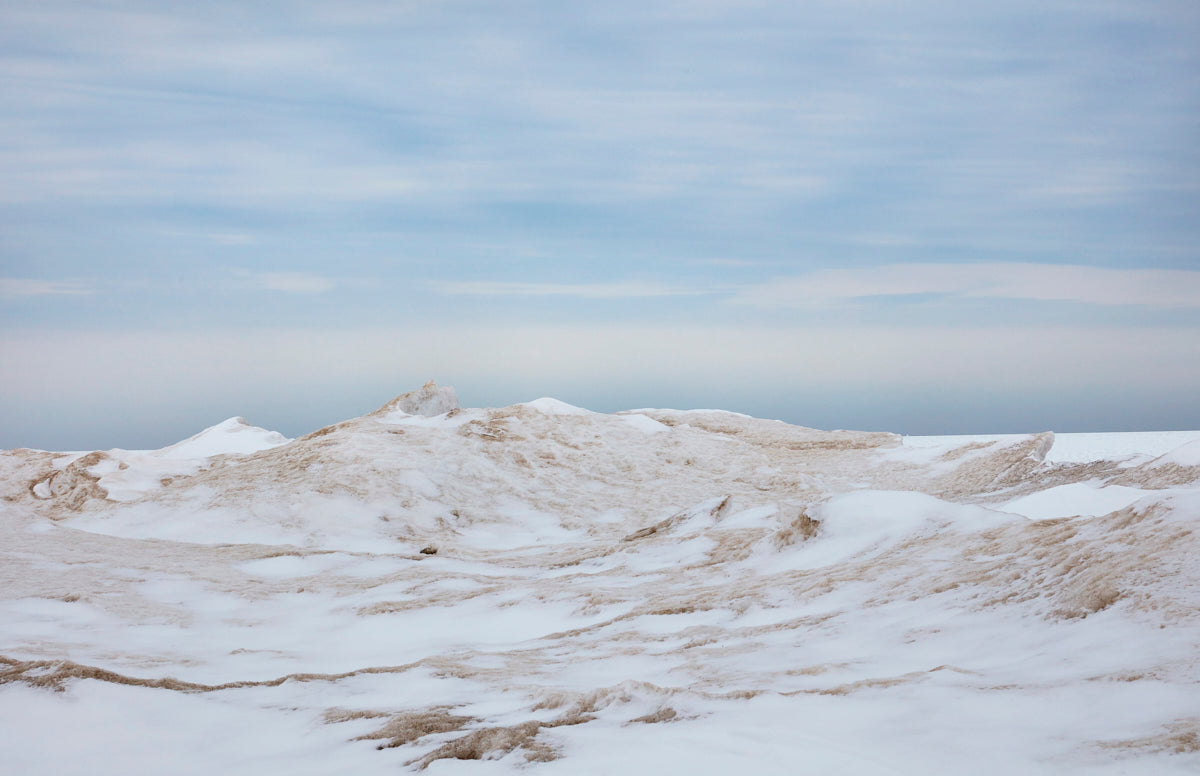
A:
(541, 587)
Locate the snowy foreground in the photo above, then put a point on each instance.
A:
(545, 589)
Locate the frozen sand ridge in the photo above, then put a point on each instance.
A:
(429, 401)
(127, 475)
(661, 586)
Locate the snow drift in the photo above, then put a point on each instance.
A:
(542, 586)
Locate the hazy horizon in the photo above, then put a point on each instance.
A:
(929, 218)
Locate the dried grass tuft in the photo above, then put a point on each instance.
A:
(665, 714)
(407, 727)
(1179, 737)
(800, 528)
(493, 743)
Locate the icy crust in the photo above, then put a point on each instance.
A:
(539, 588)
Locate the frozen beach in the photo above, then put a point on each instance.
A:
(544, 589)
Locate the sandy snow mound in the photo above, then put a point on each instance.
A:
(541, 588)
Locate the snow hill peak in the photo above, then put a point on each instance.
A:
(429, 400)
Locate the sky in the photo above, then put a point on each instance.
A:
(926, 217)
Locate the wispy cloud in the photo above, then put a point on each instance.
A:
(636, 161)
(620, 290)
(222, 238)
(288, 282)
(1037, 282)
(733, 263)
(20, 288)
(955, 123)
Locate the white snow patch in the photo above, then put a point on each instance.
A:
(643, 423)
(871, 521)
(233, 436)
(548, 406)
(1184, 455)
(1076, 447)
(286, 566)
(1116, 446)
(127, 475)
(1077, 498)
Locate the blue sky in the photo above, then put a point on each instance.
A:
(928, 217)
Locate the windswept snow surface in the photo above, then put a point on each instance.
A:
(542, 588)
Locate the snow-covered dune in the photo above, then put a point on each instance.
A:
(543, 587)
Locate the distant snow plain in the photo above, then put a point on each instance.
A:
(544, 589)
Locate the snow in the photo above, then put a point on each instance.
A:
(1077, 498)
(868, 521)
(1080, 447)
(430, 401)
(127, 475)
(233, 436)
(545, 589)
(550, 406)
(444, 420)
(952, 441)
(643, 423)
(1184, 455)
